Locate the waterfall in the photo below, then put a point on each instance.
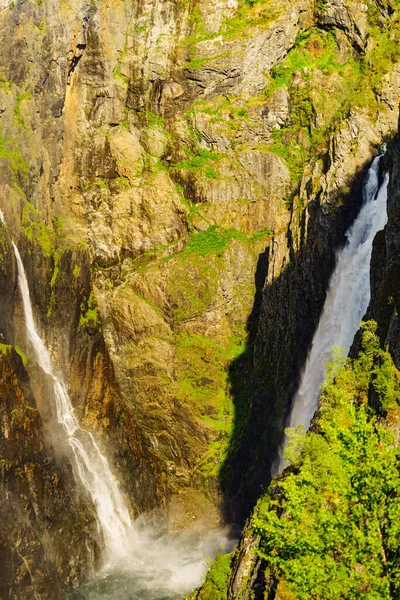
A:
(347, 299)
(91, 468)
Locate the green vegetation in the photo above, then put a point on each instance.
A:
(89, 315)
(333, 81)
(199, 163)
(117, 73)
(52, 302)
(250, 14)
(330, 84)
(216, 240)
(10, 152)
(193, 286)
(227, 111)
(36, 230)
(22, 354)
(213, 240)
(214, 587)
(202, 382)
(330, 526)
(5, 350)
(17, 111)
(153, 120)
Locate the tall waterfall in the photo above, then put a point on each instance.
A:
(91, 468)
(347, 298)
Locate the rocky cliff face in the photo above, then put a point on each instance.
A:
(247, 575)
(385, 264)
(42, 514)
(176, 176)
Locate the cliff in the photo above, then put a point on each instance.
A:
(177, 176)
(278, 555)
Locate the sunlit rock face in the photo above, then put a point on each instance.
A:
(161, 164)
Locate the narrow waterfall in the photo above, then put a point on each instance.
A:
(91, 468)
(347, 298)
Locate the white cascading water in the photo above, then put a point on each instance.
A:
(142, 562)
(346, 301)
(90, 466)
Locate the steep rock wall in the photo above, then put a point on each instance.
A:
(385, 292)
(161, 164)
(247, 575)
(40, 507)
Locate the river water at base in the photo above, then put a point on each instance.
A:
(162, 566)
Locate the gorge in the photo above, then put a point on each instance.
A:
(176, 183)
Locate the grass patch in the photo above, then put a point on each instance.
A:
(249, 14)
(202, 383)
(200, 163)
(214, 587)
(213, 240)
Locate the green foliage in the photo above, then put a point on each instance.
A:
(214, 587)
(36, 230)
(330, 528)
(213, 240)
(22, 354)
(10, 152)
(249, 14)
(323, 82)
(89, 315)
(202, 382)
(292, 144)
(193, 286)
(5, 350)
(199, 163)
(153, 120)
(52, 302)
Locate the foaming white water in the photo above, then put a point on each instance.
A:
(346, 301)
(165, 566)
(90, 466)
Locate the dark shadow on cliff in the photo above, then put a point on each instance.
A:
(280, 328)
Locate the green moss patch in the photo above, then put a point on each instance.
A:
(89, 315)
(36, 230)
(200, 163)
(11, 153)
(214, 587)
(5, 350)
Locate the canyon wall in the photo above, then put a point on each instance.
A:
(177, 176)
